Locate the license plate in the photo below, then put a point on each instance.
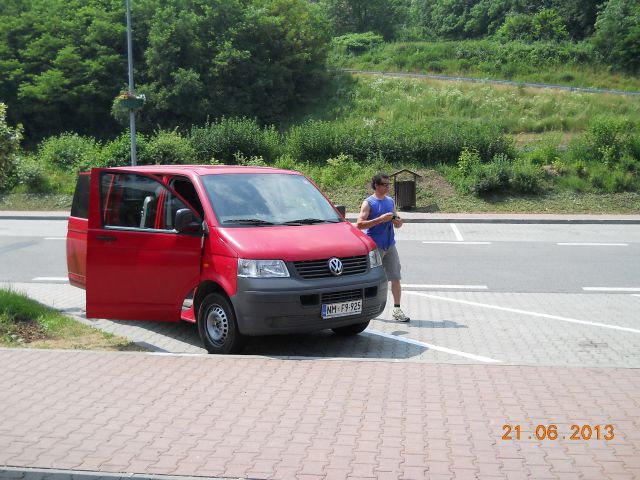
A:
(332, 310)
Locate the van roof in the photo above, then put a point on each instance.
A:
(205, 169)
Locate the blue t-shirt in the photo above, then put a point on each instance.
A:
(383, 233)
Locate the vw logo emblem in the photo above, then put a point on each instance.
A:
(335, 266)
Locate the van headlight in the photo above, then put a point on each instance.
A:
(375, 260)
(262, 268)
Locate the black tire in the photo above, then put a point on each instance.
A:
(350, 330)
(217, 325)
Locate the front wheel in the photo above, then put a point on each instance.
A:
(217, 325)
(350, 330)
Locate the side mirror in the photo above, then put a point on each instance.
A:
(184, 221)
(342, 209)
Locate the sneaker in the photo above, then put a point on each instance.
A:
(399, 316)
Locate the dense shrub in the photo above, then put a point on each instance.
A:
(526, 177)
(617, 34)
(223, 139)
(69, 151)
(117, 153)
(606, 140)
(357, 42)
(546, 25)
(314, 141)
(428, 143)
(546, 154)
(168, 148)
(500, 175)
(32, 176)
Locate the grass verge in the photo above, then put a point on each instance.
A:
(433, 194)
(27, 324)
(35, 201)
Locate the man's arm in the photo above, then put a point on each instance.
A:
(363, 223)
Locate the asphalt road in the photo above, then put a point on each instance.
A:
(521, 258)
(435, 257)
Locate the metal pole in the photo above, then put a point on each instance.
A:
(132, 113)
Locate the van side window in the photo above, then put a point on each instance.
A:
(187, 191)
(132, 201)
(172, 204)
(80, 205)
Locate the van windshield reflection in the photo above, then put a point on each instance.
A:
(267, 199)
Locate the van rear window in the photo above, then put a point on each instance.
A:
(80, 205)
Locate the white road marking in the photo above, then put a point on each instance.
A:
(525, 312)
(586, 244)
(435, 287)
(460, 243)
(50, 279)
(430, 346)
(55, 238)
(611, 289)
(456, 232)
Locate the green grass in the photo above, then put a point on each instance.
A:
(563, 64)
(435, 194)
(516, 110)
(35, 201)
(26, 323)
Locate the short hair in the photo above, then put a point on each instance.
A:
(378, 178)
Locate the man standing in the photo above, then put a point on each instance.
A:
(378, 217)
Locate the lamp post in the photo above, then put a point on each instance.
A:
(132, 113)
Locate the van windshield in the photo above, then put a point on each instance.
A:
(259, 199)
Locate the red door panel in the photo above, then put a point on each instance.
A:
(136, 271)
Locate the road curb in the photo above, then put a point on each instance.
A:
(34, 217)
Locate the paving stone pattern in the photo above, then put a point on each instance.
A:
(267, 418)
(437, 319)
(322, 407)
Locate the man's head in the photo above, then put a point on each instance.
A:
(380, 181)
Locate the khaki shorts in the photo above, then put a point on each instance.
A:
(391, 263)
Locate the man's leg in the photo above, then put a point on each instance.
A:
(395, 291)
(391, 263)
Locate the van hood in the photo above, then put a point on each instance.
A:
(297, 243)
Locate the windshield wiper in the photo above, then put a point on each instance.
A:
(307, 221)
(249, 221)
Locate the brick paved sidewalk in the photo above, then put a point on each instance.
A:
(310, 419)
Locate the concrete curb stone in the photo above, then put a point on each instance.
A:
(419, 217)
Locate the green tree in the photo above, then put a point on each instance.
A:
(579, 16)
(617, 34)
(9, 145)
(546, 25)
(64, 63)
(233, 58)
(383, 17)
(475, 18)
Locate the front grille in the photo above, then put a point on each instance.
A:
(320, 268)
(345, 296)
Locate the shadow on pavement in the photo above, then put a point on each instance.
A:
(426, 323)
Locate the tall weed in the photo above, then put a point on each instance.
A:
(223, 139)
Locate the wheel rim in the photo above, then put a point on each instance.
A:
(217, 325)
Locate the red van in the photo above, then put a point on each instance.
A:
(240, 251)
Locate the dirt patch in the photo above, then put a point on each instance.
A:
(25, 330)
(431, 188)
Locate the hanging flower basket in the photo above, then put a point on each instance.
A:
(130, 101)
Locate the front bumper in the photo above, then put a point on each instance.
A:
(292, 305)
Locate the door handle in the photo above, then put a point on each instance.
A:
(106, 238)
